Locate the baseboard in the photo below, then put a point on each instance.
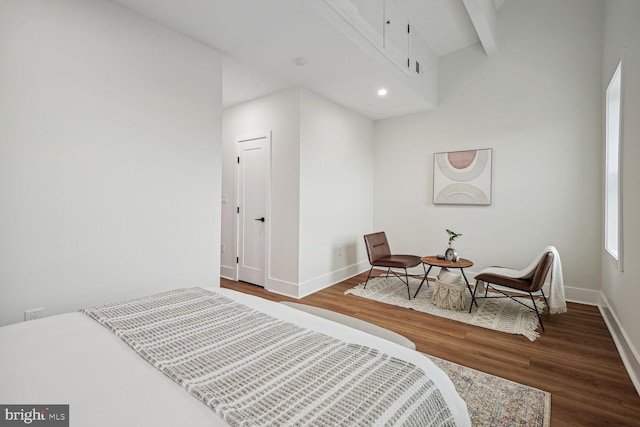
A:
(581, 296)
(627, 352)
(228, 272)
(282, 287)
(294, 290)
(318, 283)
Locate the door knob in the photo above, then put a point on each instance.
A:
(259, 219)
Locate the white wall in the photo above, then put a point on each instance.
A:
(280, 114)
(109, 157)
(621, 289)
(336, 192)
(537, 104)
(321, 189)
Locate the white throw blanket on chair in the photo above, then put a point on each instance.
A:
(557, 302)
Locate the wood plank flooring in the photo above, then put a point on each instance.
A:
(575, 359)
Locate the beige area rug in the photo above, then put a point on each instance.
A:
(500, 314)
(495, 401)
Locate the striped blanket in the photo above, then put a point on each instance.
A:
(254, 369)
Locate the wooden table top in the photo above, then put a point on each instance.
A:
(433, 260)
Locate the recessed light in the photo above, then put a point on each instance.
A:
(382, 92)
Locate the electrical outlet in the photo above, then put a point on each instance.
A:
(223, 248)
(34, 313)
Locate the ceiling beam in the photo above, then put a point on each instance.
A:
(484, 15)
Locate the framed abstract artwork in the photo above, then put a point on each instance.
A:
(462, 177)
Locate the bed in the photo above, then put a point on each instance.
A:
(83, 360)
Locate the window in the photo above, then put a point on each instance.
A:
(612, 234)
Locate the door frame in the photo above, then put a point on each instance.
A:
(267, 231)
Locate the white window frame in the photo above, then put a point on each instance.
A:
(613, 168)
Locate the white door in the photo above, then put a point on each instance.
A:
(254, 160)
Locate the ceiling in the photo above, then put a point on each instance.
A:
(270, 45)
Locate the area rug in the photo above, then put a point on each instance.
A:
(500, 314)
(495, 401)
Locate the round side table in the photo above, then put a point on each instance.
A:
(462, 263)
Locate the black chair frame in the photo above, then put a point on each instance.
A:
(404, 279)
(513, 297)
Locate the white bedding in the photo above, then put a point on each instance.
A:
(71, 359)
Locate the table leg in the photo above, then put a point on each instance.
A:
(426, 273)
(473, 298)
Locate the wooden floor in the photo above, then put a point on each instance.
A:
(575, 359)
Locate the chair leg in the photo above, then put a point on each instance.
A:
(367, 281)
(545, 297)
(536, 309)
(406, 277)
(505, 295)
